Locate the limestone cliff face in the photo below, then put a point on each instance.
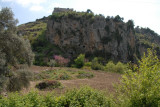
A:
(77, 33)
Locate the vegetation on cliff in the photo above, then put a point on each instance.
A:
(147, 38)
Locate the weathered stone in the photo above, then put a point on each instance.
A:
(82, 36)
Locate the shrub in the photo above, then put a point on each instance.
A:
(84, 97)
(48, 84)
(96, 65)
(19, 80)
(52, 63)
(33, 99)
(118, 68)
(79, 61)
(63, 76)
(141, 88)
(87, 65)
(61, 61)
(25, 72)
(82, 74)
(3, 81)
(14, 84)
(110, 67)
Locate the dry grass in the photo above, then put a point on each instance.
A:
(101, 80)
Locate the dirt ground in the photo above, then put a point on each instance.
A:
(101, 81)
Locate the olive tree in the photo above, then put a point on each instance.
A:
(14, 49)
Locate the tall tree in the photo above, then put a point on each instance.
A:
(15, 48)
(13, 51)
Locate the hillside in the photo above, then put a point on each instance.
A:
(70, 33)
(147, 38)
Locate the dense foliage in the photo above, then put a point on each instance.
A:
(14, 47)
(141, 88)
(147, 38)
(96, 65)
(118, 68)
(73, 15)
(14, 50)
(79, 61)
(44, 50)
(61, 61)
(83, 97)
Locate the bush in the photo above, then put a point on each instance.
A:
(83, 74)
(19, 80)
(3, 81)
(79, 61)
(87, 65)
(33, 99)
(48, 84)
(110, 67)
(83, 97)
(141, 88)
(96, 65)
(63, 76)
(61, 61)
(52, 63)
(118, 68)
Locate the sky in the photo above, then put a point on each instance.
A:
(144, 13)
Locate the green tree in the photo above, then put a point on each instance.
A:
(96, 65)
(89, 11)
(142, 88)
(118, 18)
(130, 24)
(79, 61)
(14, 49)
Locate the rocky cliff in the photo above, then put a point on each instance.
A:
(70, 33)
(94, 35)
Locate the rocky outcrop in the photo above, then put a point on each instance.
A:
(94, 35)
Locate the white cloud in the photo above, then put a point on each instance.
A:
(26, 2)
(33, 5)
(7, 0)
(36, 8)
